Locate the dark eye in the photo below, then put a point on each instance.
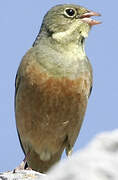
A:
(70, 12)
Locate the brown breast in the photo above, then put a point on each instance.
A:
(48, 108)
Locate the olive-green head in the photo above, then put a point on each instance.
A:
(68, 22)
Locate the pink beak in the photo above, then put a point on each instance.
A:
(86, 18)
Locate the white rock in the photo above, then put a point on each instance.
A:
(21, 174)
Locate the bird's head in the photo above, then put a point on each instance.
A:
(68, 22)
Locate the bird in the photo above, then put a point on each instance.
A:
(52, 87)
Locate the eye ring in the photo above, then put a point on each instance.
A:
(70, 12)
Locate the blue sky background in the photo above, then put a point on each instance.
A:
(19, 24)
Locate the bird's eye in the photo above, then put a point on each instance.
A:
(70, 12)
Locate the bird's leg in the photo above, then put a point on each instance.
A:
(69, 150)
(23, 165)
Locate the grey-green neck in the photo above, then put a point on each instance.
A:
(45, 38)
(64, 59)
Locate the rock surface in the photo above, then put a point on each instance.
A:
(98, 161)
(22, 174)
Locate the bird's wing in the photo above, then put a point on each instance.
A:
(71, 138)
(90, 90)
(91, 77)
(17, 83)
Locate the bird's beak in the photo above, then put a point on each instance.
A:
(86, 18)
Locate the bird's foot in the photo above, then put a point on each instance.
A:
(28, 168)
(69, 151)
(22, 166)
